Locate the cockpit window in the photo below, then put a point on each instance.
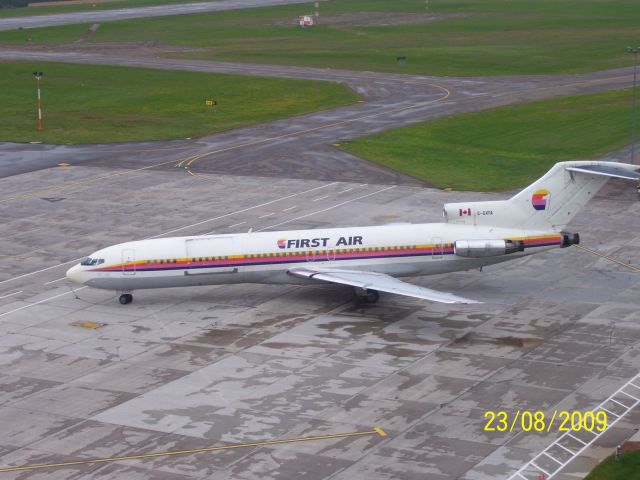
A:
(91, 261)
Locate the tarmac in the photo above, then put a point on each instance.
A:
(84, 377)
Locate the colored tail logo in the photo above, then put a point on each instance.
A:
(539, 199)
(282, 242)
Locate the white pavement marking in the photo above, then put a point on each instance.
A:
(176, 230)
(241, 211)
(266, 215)
(237, 224)
(41, 301)
(320, 198)
(11, 294)
(526, 473)
(54, 281)
(281, 223)
(290, 208)
(39, 271)
(347, 190)
(328, 208)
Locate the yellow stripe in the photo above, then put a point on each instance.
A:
(611, 259)
(376, 431)
(337, 251)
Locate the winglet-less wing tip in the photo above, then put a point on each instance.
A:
(380, 282)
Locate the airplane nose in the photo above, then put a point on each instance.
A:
(75, 274)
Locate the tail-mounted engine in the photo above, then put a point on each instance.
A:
(487, 248)
(569, 239)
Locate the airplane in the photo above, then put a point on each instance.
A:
(474, 235)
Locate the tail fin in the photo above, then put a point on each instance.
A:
(547, 204)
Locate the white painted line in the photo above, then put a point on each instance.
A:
(237, 224)
(328, 208)
(569, 434)
(54, 281)
(242, 210)
(39, 271)
(11, 294)
(39, 302)
(267, 215)
(347, 190)
(175, 230)
(290, 208)
(320, 198)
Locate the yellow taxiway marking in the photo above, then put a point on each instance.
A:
(62, 186)
(446, 94)
(375, 431)
(90, 325)
(189, 160)
(611, 259)
(64, 164)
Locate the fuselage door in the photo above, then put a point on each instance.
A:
(437, 248)
(128, 262)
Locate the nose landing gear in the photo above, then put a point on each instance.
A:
(125, 298)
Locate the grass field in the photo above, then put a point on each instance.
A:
(627, 468)
(503, 148)
(490, 37)
(96, 104)
(63, 7)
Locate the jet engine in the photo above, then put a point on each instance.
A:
(487, 248)
(569, 239)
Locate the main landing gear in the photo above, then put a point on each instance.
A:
(125, 298)
(367, 295)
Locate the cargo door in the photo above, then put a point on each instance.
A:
(210, 255)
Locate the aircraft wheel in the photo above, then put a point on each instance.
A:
(125, 298)
(372, 296)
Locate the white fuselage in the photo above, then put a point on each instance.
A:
(266, 257)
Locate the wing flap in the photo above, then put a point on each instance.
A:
(377, 281)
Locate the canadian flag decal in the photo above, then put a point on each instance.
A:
(464, 212)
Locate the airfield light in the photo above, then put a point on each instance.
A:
(38, 76)
(634, 110)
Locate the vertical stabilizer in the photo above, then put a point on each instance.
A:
(547, 204)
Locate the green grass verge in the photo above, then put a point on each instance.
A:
(627, 468)
(63, 7)
(97, 104)
(503, 148)
(493, 37)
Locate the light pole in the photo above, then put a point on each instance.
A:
(634, 109)
(38, 76)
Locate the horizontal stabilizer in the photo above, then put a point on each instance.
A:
(377, 281)
(549, 203)
(628, 172)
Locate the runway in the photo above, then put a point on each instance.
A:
(48, 20)
(179, 369)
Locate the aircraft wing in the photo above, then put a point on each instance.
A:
(377, 281)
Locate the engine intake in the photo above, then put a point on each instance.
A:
(487, 248)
